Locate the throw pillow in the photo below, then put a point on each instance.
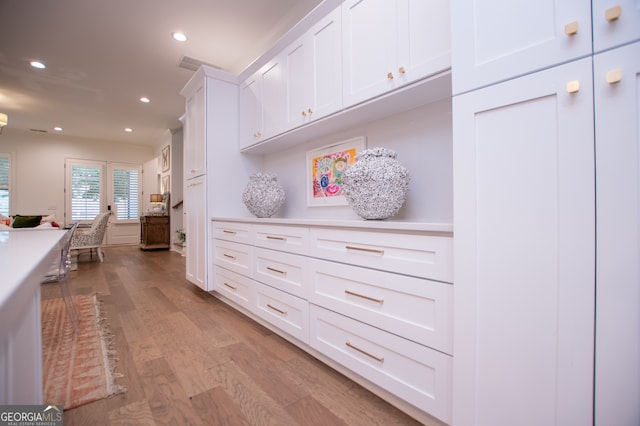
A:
(26, 221)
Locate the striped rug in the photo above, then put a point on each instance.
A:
(78, 368)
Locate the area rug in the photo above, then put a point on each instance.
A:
(78, 368)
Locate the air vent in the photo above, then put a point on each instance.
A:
(38, 130)
(193, 64)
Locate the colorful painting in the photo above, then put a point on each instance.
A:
(325, 168)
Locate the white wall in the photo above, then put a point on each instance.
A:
(421, 137)
(38, 166)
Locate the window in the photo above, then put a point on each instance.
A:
(85, 189)
(126, 191)
(5, 184)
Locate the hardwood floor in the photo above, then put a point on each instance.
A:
(189, 359)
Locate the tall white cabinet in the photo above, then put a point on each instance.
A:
(542, 202)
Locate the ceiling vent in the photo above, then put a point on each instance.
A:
(193, 64)
(38, 130)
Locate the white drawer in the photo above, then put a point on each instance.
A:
(233, 256)
(234, 286)
(414, 373)
(418, 309)
(425, 256)
(233, 231)
(288, 313)
(284, 271)
(294, 239)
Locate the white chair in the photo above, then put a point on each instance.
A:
(59, 272)
(92, 238)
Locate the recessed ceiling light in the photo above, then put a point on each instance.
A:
(128, 130)
(57, 129)
(179, 36)
(37, 64)
(145, 100)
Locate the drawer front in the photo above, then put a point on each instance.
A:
(423, 256)
(288, 313)
(415, 308)
(233, 256)
(414, 373)
(234, 286)
(232, 231)
(284, 271)
(293, 239)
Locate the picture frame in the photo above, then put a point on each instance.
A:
(166, 158)
(165, 184)
(324, 167)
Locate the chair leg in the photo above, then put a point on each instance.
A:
(70, 303)
(100, 255)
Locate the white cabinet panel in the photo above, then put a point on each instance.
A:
(615, 22)
(294, 239)
(524, 250)
(288, 313)
(419, 375)
(233, 256)
(195, 212)
(414, 308)
(236, 287)
(494, 40)
(618, 235)
(250, 111)
(195, 145)
(284, 271)
(233, 231)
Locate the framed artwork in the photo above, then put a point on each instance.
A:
(165, 184)
(324, 171)
(166, 159)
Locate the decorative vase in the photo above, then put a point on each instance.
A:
(263, 195)
(376, 184)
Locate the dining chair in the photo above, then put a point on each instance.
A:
(91, 238)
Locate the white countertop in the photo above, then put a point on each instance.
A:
(21, 254)
(388, 224)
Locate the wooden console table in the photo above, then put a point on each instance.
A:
(154, 232)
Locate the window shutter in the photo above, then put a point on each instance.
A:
(126, 187)
(85, 192)
(5, 170)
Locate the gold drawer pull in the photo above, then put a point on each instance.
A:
(226, 231)
(365, 249)
(573, 86)
(390, 76)
(304, 114)
(276, 270)
(380, 301)
(310, 111)
(276, 309)
(362, 351)
(571, 28)
(228, 256)
(271, 237)
(230, 286)
(613, 13)
(614, 76)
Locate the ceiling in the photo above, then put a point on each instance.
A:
(102, 56)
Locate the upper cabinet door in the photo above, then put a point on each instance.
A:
(370, 43)
(250, 111)
(495, 40)
(313, 70)
(615, 22)
(194, 136)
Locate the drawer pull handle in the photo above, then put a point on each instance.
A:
(276, 309)
(230, 286)
(573, 86)
(362, 351)
(614, 76)
(276, 270)
(373, 299)
(571, 28)
(229, 256)
(365, 249)
(271, 237)
(226, 231)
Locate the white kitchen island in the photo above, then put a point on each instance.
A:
(25, 257)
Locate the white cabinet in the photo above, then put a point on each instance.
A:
(615, 23)
(524, 250)
(494, 40)
(262, 104)
(194, 145)
(387, 44)
(195, 219)
(618, 235)
(313, 72)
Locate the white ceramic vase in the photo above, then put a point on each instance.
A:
(263, 195)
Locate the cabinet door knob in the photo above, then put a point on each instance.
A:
(401, 70)
(573, 86)
(304, 113)
(390, 76)
(571, 28)
(310, 111)
(614, 76)
(613, 13)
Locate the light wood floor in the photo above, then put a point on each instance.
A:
(189, 359)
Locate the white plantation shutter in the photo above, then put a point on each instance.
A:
(126, 191)
(86, 192)
(5, 180)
